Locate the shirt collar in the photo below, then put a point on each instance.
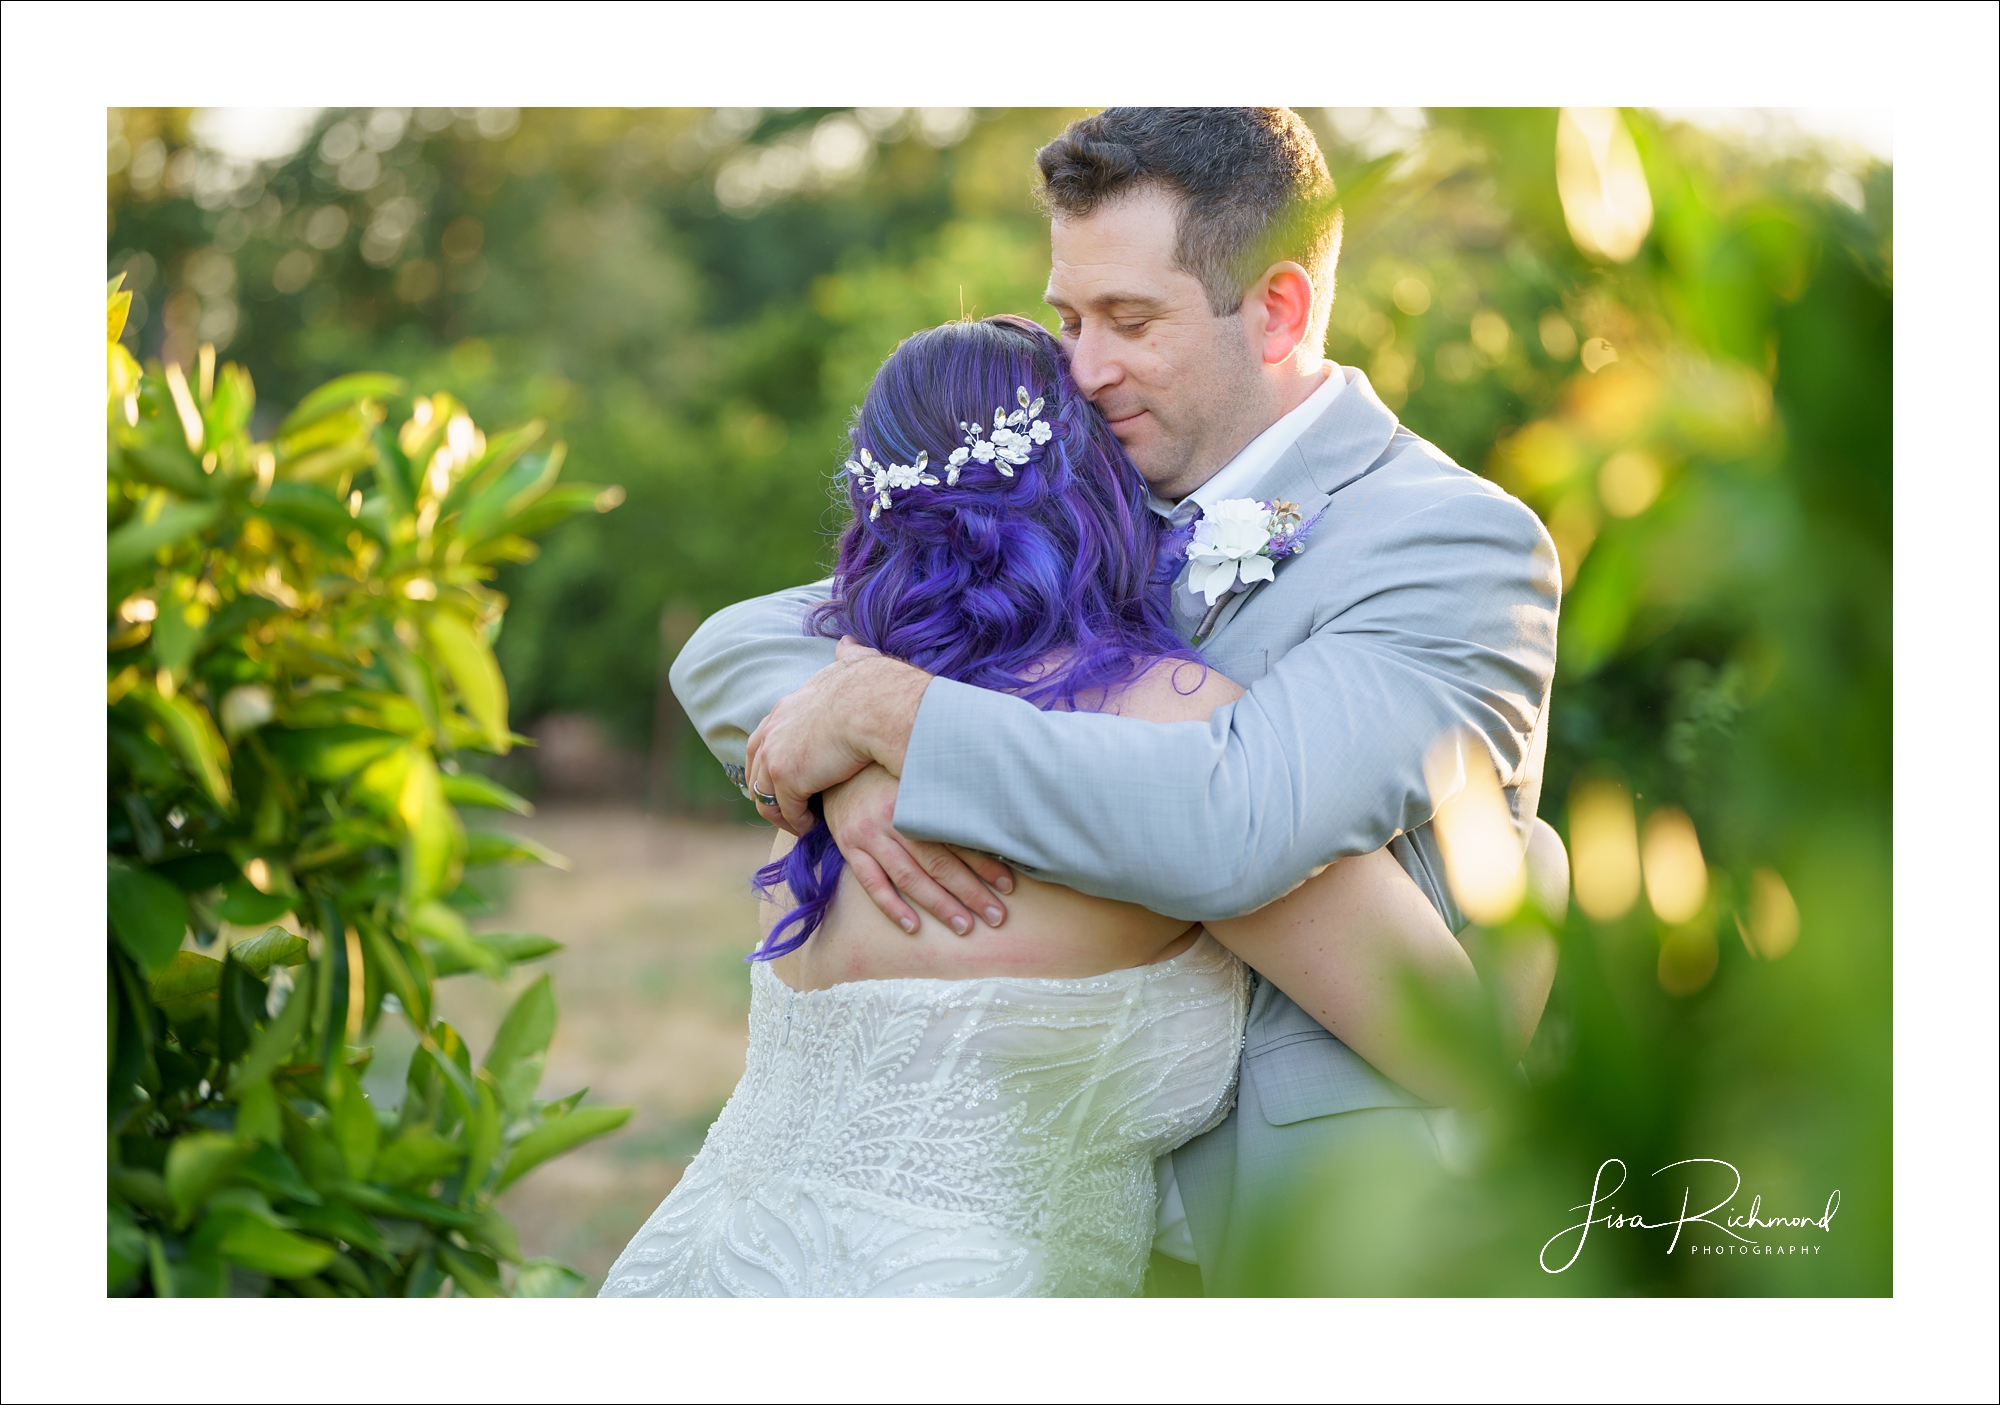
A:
(1242, 473)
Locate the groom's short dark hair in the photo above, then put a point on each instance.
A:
(1250, 183)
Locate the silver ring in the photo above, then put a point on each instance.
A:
(767, 799)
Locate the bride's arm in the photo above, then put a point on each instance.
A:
(1343, 943)
(1346, 944)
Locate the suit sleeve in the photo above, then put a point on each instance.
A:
(741, 661)
(1453, 631)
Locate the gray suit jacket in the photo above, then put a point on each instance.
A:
(1423, 606)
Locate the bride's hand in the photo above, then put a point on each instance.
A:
(897, 871)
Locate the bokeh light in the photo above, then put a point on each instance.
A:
(1628, 482)
(1483, 854)
(1676, 875)
(1773, 925)
(1603, 849)
(1603, 187)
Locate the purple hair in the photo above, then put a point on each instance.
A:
(1048, 584)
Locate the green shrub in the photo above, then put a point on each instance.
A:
(299, 653)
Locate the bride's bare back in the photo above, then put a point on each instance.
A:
(1051, 931)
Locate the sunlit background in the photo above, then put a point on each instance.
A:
(1668, 332)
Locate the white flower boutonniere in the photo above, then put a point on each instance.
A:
(1238, 543)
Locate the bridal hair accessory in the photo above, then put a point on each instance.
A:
(1009, 443)
(881, 477)
(1237, 544)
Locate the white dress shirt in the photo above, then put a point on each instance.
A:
(1241, 474)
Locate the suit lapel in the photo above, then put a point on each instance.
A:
(1340, 446)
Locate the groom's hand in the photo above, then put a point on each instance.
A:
(897, 871)
(858, 709)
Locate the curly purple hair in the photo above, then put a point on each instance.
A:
(1048, 584)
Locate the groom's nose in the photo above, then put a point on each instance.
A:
(1093, 361)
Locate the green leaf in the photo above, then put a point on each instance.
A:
(188, 973)
(149, 916)
(125, 1244)
(556, 506)
(495, 1233)
(385, 954)
(275, 1041)
(348, 1273)
(257, 1114)
(521, 1044)
(117, 306)
(264, 1248)
(272, 1172)
(511, 493)
(433, 837)
(452, 947)
(505, 947)
(192, 734)
(561, 1106)
(310, 509)
(352, 1123)
(313, 1153)
(343, 1223)
(412, 672)
(400, 1204)
(492, 846)
(335, 464)
(228, 413)
(545, 1278)
(338, 395)
(167, 464)
(555, 1137)
(143, 1188)
(177, 636)
(482, 1140)
(136, 541)
(273, 947)
(415, 1159)
(474, 1278)
(245, 906)
(330, 753)
(474, 673)
(466, 788)
(198, 1164)
(158, 1270)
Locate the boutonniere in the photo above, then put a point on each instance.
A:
(1237, 544)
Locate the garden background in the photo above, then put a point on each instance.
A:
(1673, 342)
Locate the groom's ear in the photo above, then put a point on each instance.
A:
(1279, 308)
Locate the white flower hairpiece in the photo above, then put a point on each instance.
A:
(1010, 443)
(881, 477)
(1013, 438)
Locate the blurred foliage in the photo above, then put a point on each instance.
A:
(298, 643)
(698, 298)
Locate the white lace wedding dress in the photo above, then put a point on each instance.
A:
(948, 1138)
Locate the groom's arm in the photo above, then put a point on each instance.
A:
(1446, 625)
(741, 661)
(1320, 759)
(733, 671)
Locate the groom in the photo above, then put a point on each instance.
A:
(1193, 257)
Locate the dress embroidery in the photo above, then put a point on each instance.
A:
(913, 1137)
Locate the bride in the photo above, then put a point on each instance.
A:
(925, 1114)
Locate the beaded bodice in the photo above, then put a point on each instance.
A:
(925, 1137)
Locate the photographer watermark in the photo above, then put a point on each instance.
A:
(1599, 1211)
